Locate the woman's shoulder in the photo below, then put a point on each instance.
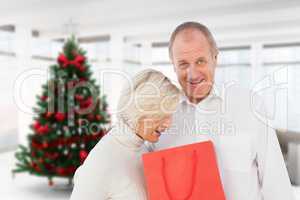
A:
(101, 157)
(105, 147)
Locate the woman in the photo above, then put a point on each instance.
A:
(113, 169)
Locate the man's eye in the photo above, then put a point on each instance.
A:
(183, 65)
(201, 62)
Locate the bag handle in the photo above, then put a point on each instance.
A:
(194, 172)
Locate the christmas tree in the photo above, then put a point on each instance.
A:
(70, 118)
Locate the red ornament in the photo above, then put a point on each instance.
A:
(51, 156)
(64, 62)
(49, 167)
(33, 154)
(46, 128)
(98, 117)
(48, 114)
(35, 167)
(81, 68)
(45, 145)
(71, 170)
(60, 171)
(80, 59)
(86, 103)
(44, 97)
(43, 129)
(82, 79)
(83, 155)
(60, 116)
(79, 97)
(36, 125)
(55, 155)
(91, 117)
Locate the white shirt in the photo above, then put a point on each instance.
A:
(113, 170)
(249, 157)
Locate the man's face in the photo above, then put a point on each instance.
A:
(194, 64)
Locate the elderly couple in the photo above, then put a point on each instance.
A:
(249, 157)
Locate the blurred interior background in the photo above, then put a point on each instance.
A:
(259, 43)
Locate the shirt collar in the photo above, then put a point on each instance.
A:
(126, 137)
(213, 94)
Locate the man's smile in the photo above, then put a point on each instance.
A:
(196, 82)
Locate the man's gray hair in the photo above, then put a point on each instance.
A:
(196, 26)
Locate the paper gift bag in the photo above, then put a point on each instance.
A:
(187, 172)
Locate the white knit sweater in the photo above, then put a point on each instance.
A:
(113, 170)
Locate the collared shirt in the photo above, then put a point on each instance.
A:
(249, 158)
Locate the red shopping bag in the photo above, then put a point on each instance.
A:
(187, 172)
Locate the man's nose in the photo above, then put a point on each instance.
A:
(192, 72)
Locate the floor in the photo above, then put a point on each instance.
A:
(26, 187)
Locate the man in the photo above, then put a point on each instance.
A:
(249, 157)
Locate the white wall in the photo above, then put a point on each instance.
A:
(234, 23)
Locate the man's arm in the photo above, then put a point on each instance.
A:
(272, 172)
(274, 179)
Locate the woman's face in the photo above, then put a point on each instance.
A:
(150, 129)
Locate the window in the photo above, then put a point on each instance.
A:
(160, 53)
(275, 54)
(230, 56)
(97, 47)
(285, 58)
(97, 50)
(6, 43)
(45, 49)
(234, 65)
(132, 53)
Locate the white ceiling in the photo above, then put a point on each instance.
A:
(52, 13)
(155, 18)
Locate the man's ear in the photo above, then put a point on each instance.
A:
(216, 57)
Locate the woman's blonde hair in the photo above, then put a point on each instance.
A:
(151, 94)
